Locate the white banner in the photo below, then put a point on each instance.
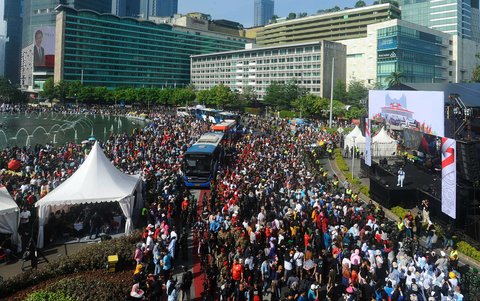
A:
(449, 177)
(368, 143)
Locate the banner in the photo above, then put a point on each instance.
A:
(368, 143)
(449, 177)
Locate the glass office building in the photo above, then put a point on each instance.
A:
(106, 50)
(418, 55)
(263, 12)
(456, 17)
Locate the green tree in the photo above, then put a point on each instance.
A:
(291, 16)
(302, 15)
(273, 94)
(61, 90)
(183, 96)
(9, 93)
(360, 3)
(48, 91)
(203, 97)
(340, 90)
(355, 112)
(356, 92)
(306, 104)
(165, 96)
(73, 88)
(249, 96)
(395, 78)
(222, 96)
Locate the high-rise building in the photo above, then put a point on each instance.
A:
(11, 39)
(263, 12)
(127, 51)
(126, 8)
(158, 8)
(456, 17)
(40, 16)
(308, 64)
(341, 25)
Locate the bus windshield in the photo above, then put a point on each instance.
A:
(198, 164)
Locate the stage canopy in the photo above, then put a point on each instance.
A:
(96, 181)
(9, 215)
(383, 145)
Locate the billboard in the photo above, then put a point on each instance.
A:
(449, 177)
(44, 46)
(418, 110)
(368, 143)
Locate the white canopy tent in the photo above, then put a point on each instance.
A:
(95, 181)
(383, 145)
(9, 215)
(359, 139)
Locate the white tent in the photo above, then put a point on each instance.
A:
(9, 215)
(359, 139)
(95, 181)
(383, 145)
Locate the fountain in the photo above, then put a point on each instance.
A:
(91, 133)
(27, 143)
(111, 128)
(18, 132)
(4, 136)
(76, 137)
(105, 132)
(39, 128)
(54, 138)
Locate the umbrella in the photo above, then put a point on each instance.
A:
(92, 139)
(85, 141)
(14, 165)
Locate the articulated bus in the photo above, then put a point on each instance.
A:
(202, 160)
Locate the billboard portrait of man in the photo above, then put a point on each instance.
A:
(38, 51)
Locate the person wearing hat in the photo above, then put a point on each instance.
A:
(313, 292)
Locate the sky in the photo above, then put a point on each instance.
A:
(242, 10)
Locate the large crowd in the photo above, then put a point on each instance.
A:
(276, 223)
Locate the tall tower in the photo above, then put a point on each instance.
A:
(456, 17)
(263, 12)
(126, 8)
(158, 8)
(13, 20)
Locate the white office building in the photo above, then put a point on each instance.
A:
(308, 64)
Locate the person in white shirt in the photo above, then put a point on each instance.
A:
(401, 177)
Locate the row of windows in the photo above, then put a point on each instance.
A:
(197, 73)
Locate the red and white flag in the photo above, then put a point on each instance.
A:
(449, 177)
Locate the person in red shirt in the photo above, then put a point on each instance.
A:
(237, 271)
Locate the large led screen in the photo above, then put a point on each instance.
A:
(417, 110)
(44, 46)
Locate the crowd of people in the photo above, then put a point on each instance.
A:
(276, 223)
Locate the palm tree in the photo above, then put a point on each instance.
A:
(395, 78)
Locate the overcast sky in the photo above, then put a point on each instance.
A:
(242, 10)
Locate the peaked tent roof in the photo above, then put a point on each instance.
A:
(96, 181)
(7, 204)
(383, 137)
(356, 132)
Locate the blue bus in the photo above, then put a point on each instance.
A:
(202, 160)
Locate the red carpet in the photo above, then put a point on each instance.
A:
(197, 273)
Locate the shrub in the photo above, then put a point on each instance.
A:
(85, 288)
(287, 114)
(49, 296)
(468, 250)
(253, 111)
(399, 211)
(365, 190)
(92, 257)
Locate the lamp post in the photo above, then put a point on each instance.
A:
(353, 154)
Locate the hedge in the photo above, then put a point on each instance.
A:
(399, 211)
(253, 111)
(49, 296)
(468, 250)
(287, 114)
(92, 257)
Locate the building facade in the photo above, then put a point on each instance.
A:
(126, 8)
(158, 8)
(263, 12)
(13, 21)
(421, 54)
(456, 17)
(308, 64)
(341, 25)
(106, 50)
(41, 15)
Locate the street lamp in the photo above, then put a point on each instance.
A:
(353, 154)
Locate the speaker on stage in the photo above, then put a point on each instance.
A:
(468, 166)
